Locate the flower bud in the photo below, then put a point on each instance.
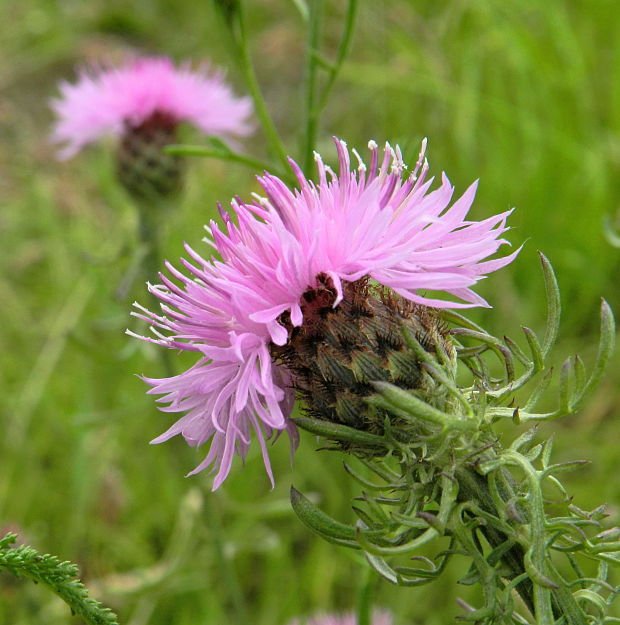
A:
(339, 352)
(142, 166)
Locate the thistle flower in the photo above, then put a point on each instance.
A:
(143, 103)
(358, 249)
(379, 617)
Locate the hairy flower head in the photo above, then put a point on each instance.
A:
(371, 224)
(106, 102)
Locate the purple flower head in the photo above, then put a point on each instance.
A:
(103, 102)
(367, 222)
(379, 617)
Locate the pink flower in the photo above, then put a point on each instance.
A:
(369, 222)
(104, 102)
(379, 617)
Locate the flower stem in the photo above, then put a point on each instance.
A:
(547, 598)
(364, 598)
(245, 60)
(343, 50)
(149, 215)
(228, 574)
(473, 487)
(311, 82)
(315, 103)
(228, 155)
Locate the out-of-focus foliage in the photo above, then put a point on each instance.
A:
(523, 95)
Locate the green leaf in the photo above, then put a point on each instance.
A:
(525, 439)
(554, 306)
(324, 525)
(539, 391)
(59, 577)
(410, 407)
(382, 567)
(603, 356)
(335, 431)
(538, 356)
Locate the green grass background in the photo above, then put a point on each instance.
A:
(523, 94)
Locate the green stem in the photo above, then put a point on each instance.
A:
(537, 552)
(473, 487)
(562, 597)
(545, 603)
(315, 104)
(230, 581)
(245, 59)
(149, 216)
(148, 234)
(311, 83)
(343, 50)
(466, 540)
(230, 156)
(364, 598)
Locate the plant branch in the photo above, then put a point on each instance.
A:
(315, 19)
(245, 59)
(60, 577)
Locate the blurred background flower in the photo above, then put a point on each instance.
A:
(379, 617)
(143, 102)
(146, 92)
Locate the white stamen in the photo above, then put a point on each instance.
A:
(396, 166)
(420, 160)
(399, 156)
(165, 339)
(361, 165)
(144, 310)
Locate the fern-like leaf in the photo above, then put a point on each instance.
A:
(60, 577)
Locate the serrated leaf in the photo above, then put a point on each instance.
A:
(60, 577)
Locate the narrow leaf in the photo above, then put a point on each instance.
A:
(335, 431)
(554, 306)
(605, 350)
(382, 567)
(319, 522)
